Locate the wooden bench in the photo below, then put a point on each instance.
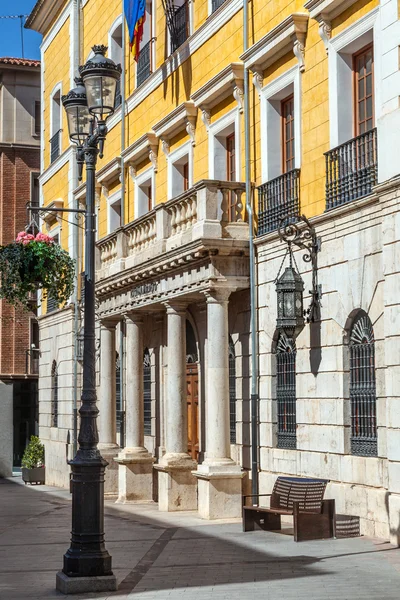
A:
(313, 517)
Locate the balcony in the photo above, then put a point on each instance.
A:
(55, 146)
(211, 212)
(351, 170)
(180, 26)
(143, 70)
(278, 198)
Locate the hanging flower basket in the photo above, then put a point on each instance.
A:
(31, 263)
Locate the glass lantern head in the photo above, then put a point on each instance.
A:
(100, 76)
(75, 104)
(289, 289)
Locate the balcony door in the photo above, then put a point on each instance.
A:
(192, 399)
(363, 66)
(287, 116)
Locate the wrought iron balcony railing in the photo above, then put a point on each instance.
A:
(216, 4)
(55, 145)
(180, 26)
(143, 70)
(276, 199)
(351, 169)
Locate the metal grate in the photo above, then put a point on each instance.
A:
(120, 414)
(143, 70)
(180, 26)
(351, 170)
(54, 395)
(55, 146)
(147, 392)
(347, 526)
(286, 392)
(232, 391)
(52, 304)
(276, 199)
(363, 388)
(215, 4)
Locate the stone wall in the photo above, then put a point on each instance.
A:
(355, 271)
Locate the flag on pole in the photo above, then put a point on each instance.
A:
(135, 14)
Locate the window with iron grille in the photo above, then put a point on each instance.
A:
(147, 392)
(143, 69)
(286, 392)
(363, 387)
(54, 395)
(120, 414)
(177, 17)
(232, 391)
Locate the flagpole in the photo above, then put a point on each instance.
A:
(123, 113)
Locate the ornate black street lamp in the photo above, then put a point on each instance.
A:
(87, 564)
(289, 290)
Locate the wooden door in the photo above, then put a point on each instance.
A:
(192, 396)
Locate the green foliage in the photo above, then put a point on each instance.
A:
(34, 454)
(27, 267)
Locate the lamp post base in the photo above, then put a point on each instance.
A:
(81, 585)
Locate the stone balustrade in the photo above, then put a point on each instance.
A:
(209, 210)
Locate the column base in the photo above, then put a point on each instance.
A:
(81, 585)
(177, 488)
(135, 475)
(219, 491)
(109, 453)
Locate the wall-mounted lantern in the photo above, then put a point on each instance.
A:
(297, 230)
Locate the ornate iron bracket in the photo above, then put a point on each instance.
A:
(297, 231)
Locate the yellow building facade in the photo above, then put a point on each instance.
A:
(319, 114)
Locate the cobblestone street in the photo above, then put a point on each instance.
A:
(158, 556)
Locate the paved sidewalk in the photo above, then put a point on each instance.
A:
(159, 556)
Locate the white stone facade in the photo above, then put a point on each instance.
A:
(357, 269)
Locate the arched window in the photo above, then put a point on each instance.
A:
(286, 391)
(54, 395)
(363, 387)
(232, 391)
(147, 391)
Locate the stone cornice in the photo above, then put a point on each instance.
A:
(226, 82)
(176, 120)
(289, 34)
(144, 147)
(43, 14)
(326, 8)
(110, 172)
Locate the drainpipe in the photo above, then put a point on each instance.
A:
(123, 118)
(76, 58)
(253, 313)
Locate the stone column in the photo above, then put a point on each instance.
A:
(107, 405)
(176, 484)
(135, 462)
(219, 478)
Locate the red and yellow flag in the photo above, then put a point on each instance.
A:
(135, 14)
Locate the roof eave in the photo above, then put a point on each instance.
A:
(43, 14)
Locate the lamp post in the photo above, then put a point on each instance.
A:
(87, 564)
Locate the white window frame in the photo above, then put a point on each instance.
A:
(117, 23)
(271, 125)
(185, 149)
(57, 88)
(232, 118)
(111, 200)
(139, 180)
(340, 66)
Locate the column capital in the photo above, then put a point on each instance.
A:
(135, 316)
(218, 295)
(109, 323)
(176, 307)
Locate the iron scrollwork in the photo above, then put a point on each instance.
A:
(298, 231)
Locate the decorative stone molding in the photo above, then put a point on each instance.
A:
(258, 80)
(183, 117)
(165, 146)
(109, 173)
(289, 34)
(325, 31)
(229, 81)
(51, 217)
(144, 147)
(329, 8)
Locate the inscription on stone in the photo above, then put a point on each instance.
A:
(144, 289)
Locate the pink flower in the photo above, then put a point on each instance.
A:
(24, 238)
(43, 237)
